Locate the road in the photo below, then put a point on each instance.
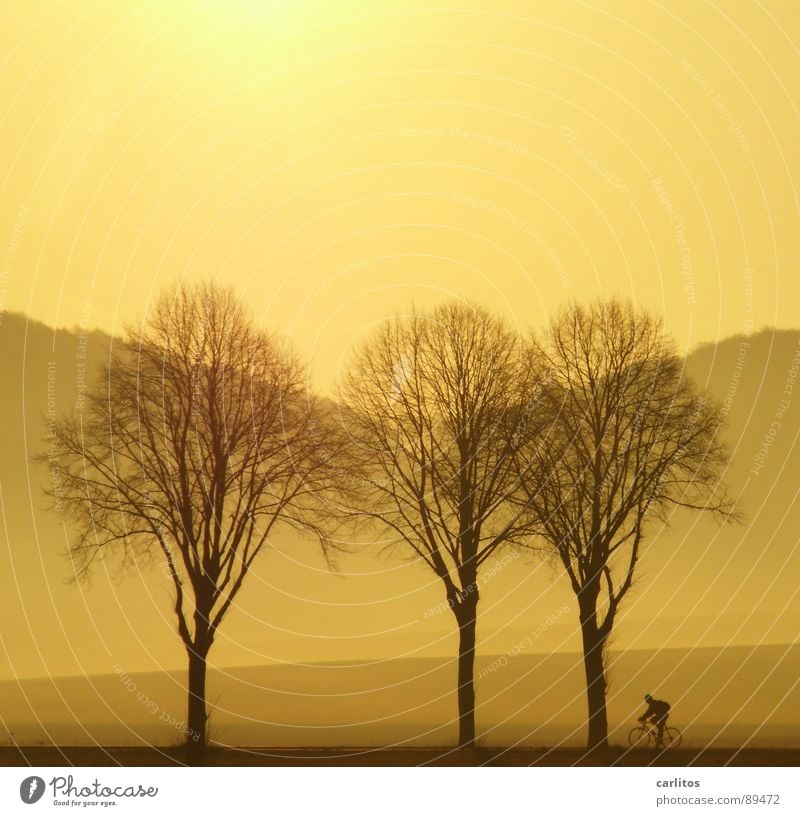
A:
(558, 757)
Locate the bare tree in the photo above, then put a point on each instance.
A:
(432, 404)
(196, 443)
(628, 439)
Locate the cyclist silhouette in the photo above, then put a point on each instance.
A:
(658, 714)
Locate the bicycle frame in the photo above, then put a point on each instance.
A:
(649, 731)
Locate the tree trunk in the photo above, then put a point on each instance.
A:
(197, 715)
(466, 615)
(594, 665)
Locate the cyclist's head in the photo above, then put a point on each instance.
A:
(647, 698)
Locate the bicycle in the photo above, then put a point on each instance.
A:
(647, 732)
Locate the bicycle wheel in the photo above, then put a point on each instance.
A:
(672, 738)
(639, 737)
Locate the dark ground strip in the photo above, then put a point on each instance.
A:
(371, 757)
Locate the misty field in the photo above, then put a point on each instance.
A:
(723, 699)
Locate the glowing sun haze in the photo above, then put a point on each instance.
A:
(334, 161)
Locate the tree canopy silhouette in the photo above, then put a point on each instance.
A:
(628, 438)
(195, 444)
(431, 404)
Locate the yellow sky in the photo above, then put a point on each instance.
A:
(335, 160)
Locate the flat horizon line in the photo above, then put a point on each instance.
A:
(355, 662)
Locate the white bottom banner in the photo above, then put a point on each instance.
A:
(400, 791)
